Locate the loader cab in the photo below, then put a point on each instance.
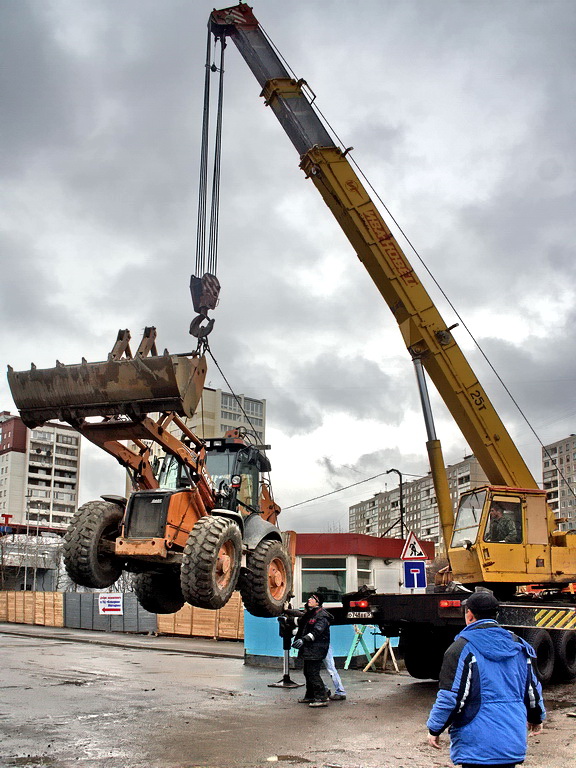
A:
(235, 469)
(233, 466)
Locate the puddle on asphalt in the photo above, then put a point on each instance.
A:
(288, 759)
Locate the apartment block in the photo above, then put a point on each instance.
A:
(220, 411)
(39, 473)
(559, 480)
(380, 514)
(217, 412)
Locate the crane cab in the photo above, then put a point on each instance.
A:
(506, 535)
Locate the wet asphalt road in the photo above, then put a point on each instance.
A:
(67, 704)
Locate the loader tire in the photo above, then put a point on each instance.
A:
(541, 641)
(86, 561)
(267, 581)
(159, 591)
(211, 562)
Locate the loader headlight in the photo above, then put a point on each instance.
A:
(236, 481)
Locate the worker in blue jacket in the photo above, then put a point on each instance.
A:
(489, 694)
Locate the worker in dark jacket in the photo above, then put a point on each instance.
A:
(312, 641)
(489, 694)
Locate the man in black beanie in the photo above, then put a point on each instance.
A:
(312, 641)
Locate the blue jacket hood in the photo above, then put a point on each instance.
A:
(493, 641)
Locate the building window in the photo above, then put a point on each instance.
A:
(364, 572)
(66, 451)
(38, 434)
(228, 401)
(67, 439)
(253, 407)
(326, 576)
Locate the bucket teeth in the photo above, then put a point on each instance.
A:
(147, 383)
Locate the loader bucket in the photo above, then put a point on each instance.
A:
(131, 386)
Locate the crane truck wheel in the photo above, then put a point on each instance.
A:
(88, 545)
(211, 562)
(564, 642)
(541, 641)
(267, 581)
(159, 592)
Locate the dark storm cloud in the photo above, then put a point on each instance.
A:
(28, 305)
(542, 379)
(462, 115)
(34, 81)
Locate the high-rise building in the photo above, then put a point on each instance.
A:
(559, 477)
(220, 411)
(380, 515)
(39, 473)
(217, 412)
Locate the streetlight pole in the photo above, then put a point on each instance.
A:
(401, 487)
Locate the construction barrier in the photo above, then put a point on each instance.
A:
(225, 624)
(79, 610)
(44, 608)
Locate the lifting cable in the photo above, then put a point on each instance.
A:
(239, 402)
(204, 285)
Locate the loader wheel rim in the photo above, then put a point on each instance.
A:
(277, 578)
(224, 564)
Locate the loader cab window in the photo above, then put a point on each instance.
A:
(168, 477)
(468, 518)
(222, 466)
(504, 522)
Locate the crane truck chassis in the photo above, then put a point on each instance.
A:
(539, 553)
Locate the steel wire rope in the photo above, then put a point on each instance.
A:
(426, 268)
(203, 181)
(207, 255)
(215, 203)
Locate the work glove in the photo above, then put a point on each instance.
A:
(298, 643)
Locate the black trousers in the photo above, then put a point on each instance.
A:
(480, 765)
(315, 688)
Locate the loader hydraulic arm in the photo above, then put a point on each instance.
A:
(425, 333)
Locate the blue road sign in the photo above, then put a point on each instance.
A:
(414, 574)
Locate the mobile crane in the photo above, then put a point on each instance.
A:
(200, 522)
(536, 552)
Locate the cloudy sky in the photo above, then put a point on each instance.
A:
(463, 117)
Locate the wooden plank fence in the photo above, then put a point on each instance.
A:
(47, 609)
(225, 624)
